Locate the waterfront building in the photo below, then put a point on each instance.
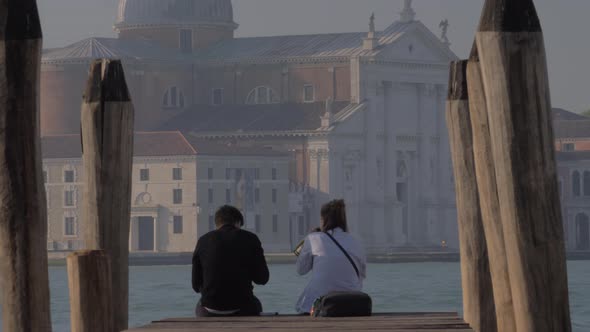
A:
(177, 185)
(360, 115)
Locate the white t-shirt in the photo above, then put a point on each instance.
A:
(331, 270)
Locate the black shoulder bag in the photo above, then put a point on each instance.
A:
(343, 304)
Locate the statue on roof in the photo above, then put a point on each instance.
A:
(372, 23)
(444, 26)
(407, 14)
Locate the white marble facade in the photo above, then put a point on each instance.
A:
(389, 157)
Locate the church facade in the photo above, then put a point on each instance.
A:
(360, 115)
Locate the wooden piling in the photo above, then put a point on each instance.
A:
(478, 299)
(89, 281)
(514, 72)
(488, 196)
(23, 212)
(107, 142)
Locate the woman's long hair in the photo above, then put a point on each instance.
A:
(334, 215)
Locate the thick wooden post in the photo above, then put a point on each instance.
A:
(478, 300)
(488, 196)
(514, 71)
(89, 281)
(107, 142)
(23, 212)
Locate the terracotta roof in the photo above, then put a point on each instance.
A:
(561, 114)
(112, 48)
(573, 156)
(210, 148)
(276, 48)
(572, 128)
(289, 117)
(61, 147)
(146, 144)
(154, 144)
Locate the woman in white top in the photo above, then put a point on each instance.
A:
(331, 269)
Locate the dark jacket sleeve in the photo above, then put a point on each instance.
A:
(197, 277)
(260, 274)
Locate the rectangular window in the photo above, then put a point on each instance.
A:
(257, 224)
(68, 176)
(210, 173)
(274, 196)
(275, 223)
(211, 223)
(274, 173)
(69, 225)
(177, 174)
(308, 93)
(177, 224)
(69, 198)
(144, 174)
(227, 196)
(210, 196)
(177, 196)
(257, 195)
(217, 98)
(257, 174)
(186, 40)
(568, 147)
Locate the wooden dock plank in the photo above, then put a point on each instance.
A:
(398, 322)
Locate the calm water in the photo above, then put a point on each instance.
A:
(165, 291)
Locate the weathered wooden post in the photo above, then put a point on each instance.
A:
(478, 300)
(514, 71)
(89, 281)
(488, 196)
(23, 212)
(107, 143)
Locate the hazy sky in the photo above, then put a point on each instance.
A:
(566, 24)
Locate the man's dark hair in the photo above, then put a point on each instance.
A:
(228, 215)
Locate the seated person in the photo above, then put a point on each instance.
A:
(331, 269)
(226, 262)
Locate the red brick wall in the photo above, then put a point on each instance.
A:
(287, 82)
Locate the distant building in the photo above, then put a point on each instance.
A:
(574, 185)
(177, 186)
(360, 115)
(572, 141)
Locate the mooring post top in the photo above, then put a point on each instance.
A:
(22, 21)
(458, 81)
(509, 16)
(106, 82)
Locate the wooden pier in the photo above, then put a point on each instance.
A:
(407, 322)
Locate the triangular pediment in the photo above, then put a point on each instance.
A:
(416, 44)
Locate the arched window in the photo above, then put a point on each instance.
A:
(576, 183)
(262, 95)
(586, 183)
(173, 98)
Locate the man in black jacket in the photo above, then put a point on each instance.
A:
(226, 262)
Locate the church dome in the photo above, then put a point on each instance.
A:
(136, 13)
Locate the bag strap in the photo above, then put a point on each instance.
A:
(345, 254)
